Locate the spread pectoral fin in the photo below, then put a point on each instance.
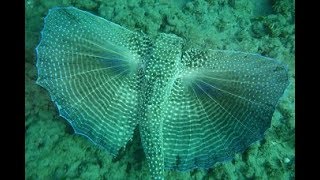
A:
(221, 103)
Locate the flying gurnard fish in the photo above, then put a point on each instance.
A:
(192, 107)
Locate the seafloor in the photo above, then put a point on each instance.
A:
(267, 27)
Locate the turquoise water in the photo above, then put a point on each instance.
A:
(53, 151)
